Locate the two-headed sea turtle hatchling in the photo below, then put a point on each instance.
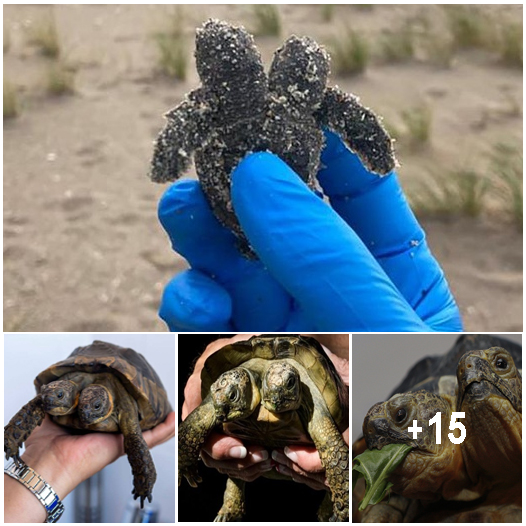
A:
(104, 388)
(238, 109)
(489, 392)
(272, 391)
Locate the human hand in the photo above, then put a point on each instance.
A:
(361, 264)
(65, 460)
(229, 455)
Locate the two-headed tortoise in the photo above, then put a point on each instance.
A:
(272, 391)
(100, 387)
(486, 386)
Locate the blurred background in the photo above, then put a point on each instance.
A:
(26, 355)
(85, 87)
(380, 362)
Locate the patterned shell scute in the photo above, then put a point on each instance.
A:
(132, 369)
(307, 352)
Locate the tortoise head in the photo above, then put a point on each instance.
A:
(60, 397)
(388, 422)
(226, 57)
(281, 387)
(95, 404)
(429, 468)
(235, 394)
(488, 376)
(299, 72)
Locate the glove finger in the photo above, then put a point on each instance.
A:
(259, 302)
(313, 253)
(193, 302)
(194, 231)
(377, 210)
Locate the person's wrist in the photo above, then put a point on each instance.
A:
(20, 505)
(52, 470)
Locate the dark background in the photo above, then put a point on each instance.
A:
(266, 500)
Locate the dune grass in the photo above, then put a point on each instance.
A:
(7, 39)
(511, 45)
(327, 12)
(267, 20)
(418, 122)
(460, 192)
(60, 79)
(44, 35)
(350, 53)
(397, 45)
(11, 103)
(506, 167)
(469, 26)
(173, 57)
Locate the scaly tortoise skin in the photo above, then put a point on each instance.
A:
(102, 388)
(490, 394)
(476, 467)
(272, 391)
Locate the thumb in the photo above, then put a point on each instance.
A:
(222, 447)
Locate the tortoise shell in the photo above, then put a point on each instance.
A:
(427, 372)
(306, 351)
(132, 369)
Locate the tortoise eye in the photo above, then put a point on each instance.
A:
(400, 415)
(501, 363)
(290, 383)
(233, 395)
(97, 405)
(60, 394)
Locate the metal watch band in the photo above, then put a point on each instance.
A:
(39, 487)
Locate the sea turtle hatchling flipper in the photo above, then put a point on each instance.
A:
(360, 129)
(186, 129)
(21, 426)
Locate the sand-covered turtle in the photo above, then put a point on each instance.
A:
(272, 391)
(238, 110)
(104, 388)
(489, 392)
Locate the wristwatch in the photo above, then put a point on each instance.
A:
(38, 486)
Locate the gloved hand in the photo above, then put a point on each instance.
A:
(358, 264)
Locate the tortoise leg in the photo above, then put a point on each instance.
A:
(192, 434)
(21, 426)
(325, 511)
(334, 454)
(233, 507)
(137, 451)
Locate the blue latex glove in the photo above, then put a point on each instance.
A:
(361, 264)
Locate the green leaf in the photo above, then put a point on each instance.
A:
(376, 466)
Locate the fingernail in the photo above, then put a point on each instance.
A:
(266, 466)
(290, 454)
(275, 455)
(280, 468)
(260, 456)
(238, 452)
